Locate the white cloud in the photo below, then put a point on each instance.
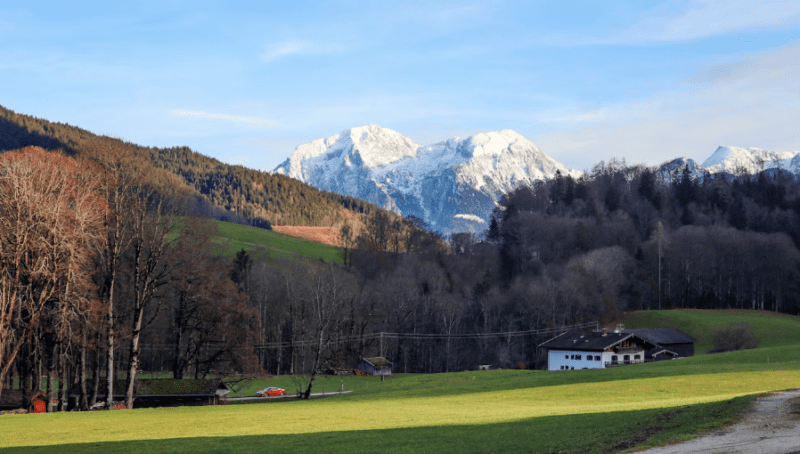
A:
(782, 63)
(284, 50)
(240, 119)
(291, 48)
(583, 117)
(751, 102)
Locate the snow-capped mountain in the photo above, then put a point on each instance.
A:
(736, 160)
(730, 161)
(672, 171)
(452, 185)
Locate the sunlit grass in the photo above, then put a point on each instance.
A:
(339, 414)
(235, 237)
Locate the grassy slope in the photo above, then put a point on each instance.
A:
(499, 411)
(235, 237)
(771, 329)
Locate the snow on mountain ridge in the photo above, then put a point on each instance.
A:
(453, 185)
(751, 160)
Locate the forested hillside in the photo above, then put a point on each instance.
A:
(714, 242)
(235, 193)
(560, 253)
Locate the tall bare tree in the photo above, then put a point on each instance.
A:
(50, 213)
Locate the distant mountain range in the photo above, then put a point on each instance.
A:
(455, 185)
(452, 185)
(732, 161)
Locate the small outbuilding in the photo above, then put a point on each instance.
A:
(671, 342)
(11, 399)
(154, 392)
(375, 366)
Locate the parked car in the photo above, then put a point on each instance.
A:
(271, 391)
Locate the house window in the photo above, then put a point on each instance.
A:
(614, 358)
(636, 357)
(577, 356)
(627, 358)
(597, 358)
(566, 356)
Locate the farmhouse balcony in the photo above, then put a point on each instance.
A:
(623, 363)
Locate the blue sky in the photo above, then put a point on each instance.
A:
(246, 82)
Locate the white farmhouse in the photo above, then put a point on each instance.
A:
(595, 350)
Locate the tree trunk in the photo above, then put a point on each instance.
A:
(177, 363)
(98, 366)
(51, 378)
(134, 357)
(110, 347)
(63, 383)
(83, 402)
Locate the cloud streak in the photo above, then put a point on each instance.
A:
(703, 19)
(285, 50)
(252, 121)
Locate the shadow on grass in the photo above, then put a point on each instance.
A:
(588, 433)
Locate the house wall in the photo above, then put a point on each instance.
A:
(566, 360)
(372, 370)
(608, 357)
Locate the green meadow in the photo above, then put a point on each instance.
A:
(771, 329)
(612, 410)
(235, 237)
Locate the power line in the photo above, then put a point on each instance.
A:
(425, 336)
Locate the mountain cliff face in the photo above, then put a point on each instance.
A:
(452, 185)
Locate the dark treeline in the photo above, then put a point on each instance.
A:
(716, 241)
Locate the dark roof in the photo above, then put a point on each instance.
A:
(11, 398)
(166, 387)
(591, 341)
(378, 361)
(662, 336)
(663, 351)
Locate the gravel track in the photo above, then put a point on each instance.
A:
(769, 428)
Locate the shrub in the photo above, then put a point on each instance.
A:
(736, 336)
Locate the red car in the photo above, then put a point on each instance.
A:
(271, 391)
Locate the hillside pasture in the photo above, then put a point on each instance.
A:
(771, 329)
(235, 237)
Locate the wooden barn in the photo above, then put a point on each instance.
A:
(375, 366)
(671, 343)
(165, 392)
(11, 399)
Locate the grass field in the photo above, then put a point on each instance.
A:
(608, 410)
(235, 237)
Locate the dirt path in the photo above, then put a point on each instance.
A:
(769, 428)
